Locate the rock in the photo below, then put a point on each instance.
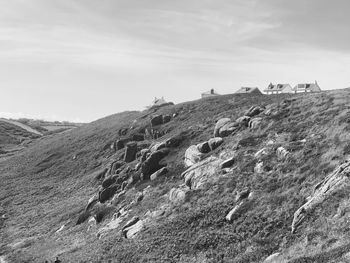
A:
(259, 154)
(281, 153)
(259, 168)
(101, 174)
(157, 120)
(234, 212)
(227, 163)
(177, 195)
(108, 182)
(138, 137)
(133, 179)
(123, 131)
(201, 172)
(166, 119)
(139, 197)
(144, 154)
(114, 166)
(133, 230)
(219, 124)
(203, 147)
(92, 223)
(131, 222)
(118, 198)
(254, 123)
(333, 182)
(159, 173)
(242, 195)
(107, 193)
(130, 152)
(138, 166)
(119, 145)
(228, 129)
(151, 164)
(193, 156)
(215, 143)
(243, 121)
(92, 201)
(60, 229)
(274, 258)
(254, 110)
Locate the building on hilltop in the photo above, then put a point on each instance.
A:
(249, 90)
(279, 88)
(307, 87)
(157, 102)
(209, 93)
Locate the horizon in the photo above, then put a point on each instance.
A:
(78, 61)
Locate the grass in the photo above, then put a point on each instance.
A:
(45, 188)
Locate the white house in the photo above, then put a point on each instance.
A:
(307, 87)
(279, 88)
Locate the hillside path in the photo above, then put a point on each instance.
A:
(23, 126)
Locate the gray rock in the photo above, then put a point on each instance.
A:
(130, 152)
(119, 145)
(254, 110)
(215, 143)
(151, 164)
(228, 129)
(159, 173)
(108, 182)
(157, 120)
(227, 163)
(108, 193)
(255, 123)
(166, 119)
(234, 212)
(203, 147)
(219, 124)
(193, 156)
(243, 121)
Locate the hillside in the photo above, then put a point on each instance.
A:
(235, 202)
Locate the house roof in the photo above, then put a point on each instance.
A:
(248, 90)
(307, 86)
(211, 92)
(277, 87)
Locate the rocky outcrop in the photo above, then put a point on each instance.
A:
(261, 153)
(227, 163)
(107, 193)
(228, 129)
(108, 182)
(334, 182)
(234, 212)
(281, 153)
(274, 258)
(132, 227)
(119, 145)
(138, 137)
(219, 124)
(215, 143)
(177, 195)
(151, 164)
(166, 119)
(161, 172)
(254, 123)
(241, 198)
(254, 110)
(115, 166)
(201, 172)
(203, 147)
(243, 121)
(157, 120)
(130, 152)
(259, 168)
(193, 156)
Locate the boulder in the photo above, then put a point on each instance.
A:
(92, 201)
(115, 166)
(228, 129)
(259, 154)
(166, 119)
(202, 172)
(123, 131)
(159, 173)
(254, 123)
(244, 194)
(119, 145)
(118, 198)
(219, 124)
(234, 212)
(227, 163)
(193, 156)
(243, 121)
(157, 120)
(281, 153)
(101, 174)
(130, 152)
(107, 193)
(254, 110)
(133, 230)
(131, 222)
(259, 168)
(203, 147)
(274, 258)
(215, 143)
(334, 182)
(144, 154)
(108, 182)
(177, 195)
(151, 164)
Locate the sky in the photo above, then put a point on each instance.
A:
(80, 60)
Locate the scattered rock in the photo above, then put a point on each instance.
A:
(215, 143)
(177, 195)
(118, 198)
(274, 258)
(219, 124)
(60, 229)
(114, 166)
(234, 212)
(144, 154)
(281, 153)
(193, 156)
(159, 173)
(119, 145)
(201, 172)
(254, 123)
(243, 121)
(139, 197)
(108, 182)
(254, 110)
(101, 174)
(138, 137)
(259, 154)
(151, 164)
(259, 168)
(157, 120)
(108, 193)
(130, 152)
(242, 195)
(228, 129)
(133, 230)
(333, 182)
(123, 131)
(203, 147)
(166, 119)
(227, 163)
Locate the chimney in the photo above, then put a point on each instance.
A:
(212, 91)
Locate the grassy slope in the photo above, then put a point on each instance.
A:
(44, 187)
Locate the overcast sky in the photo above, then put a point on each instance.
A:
(80, 60)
